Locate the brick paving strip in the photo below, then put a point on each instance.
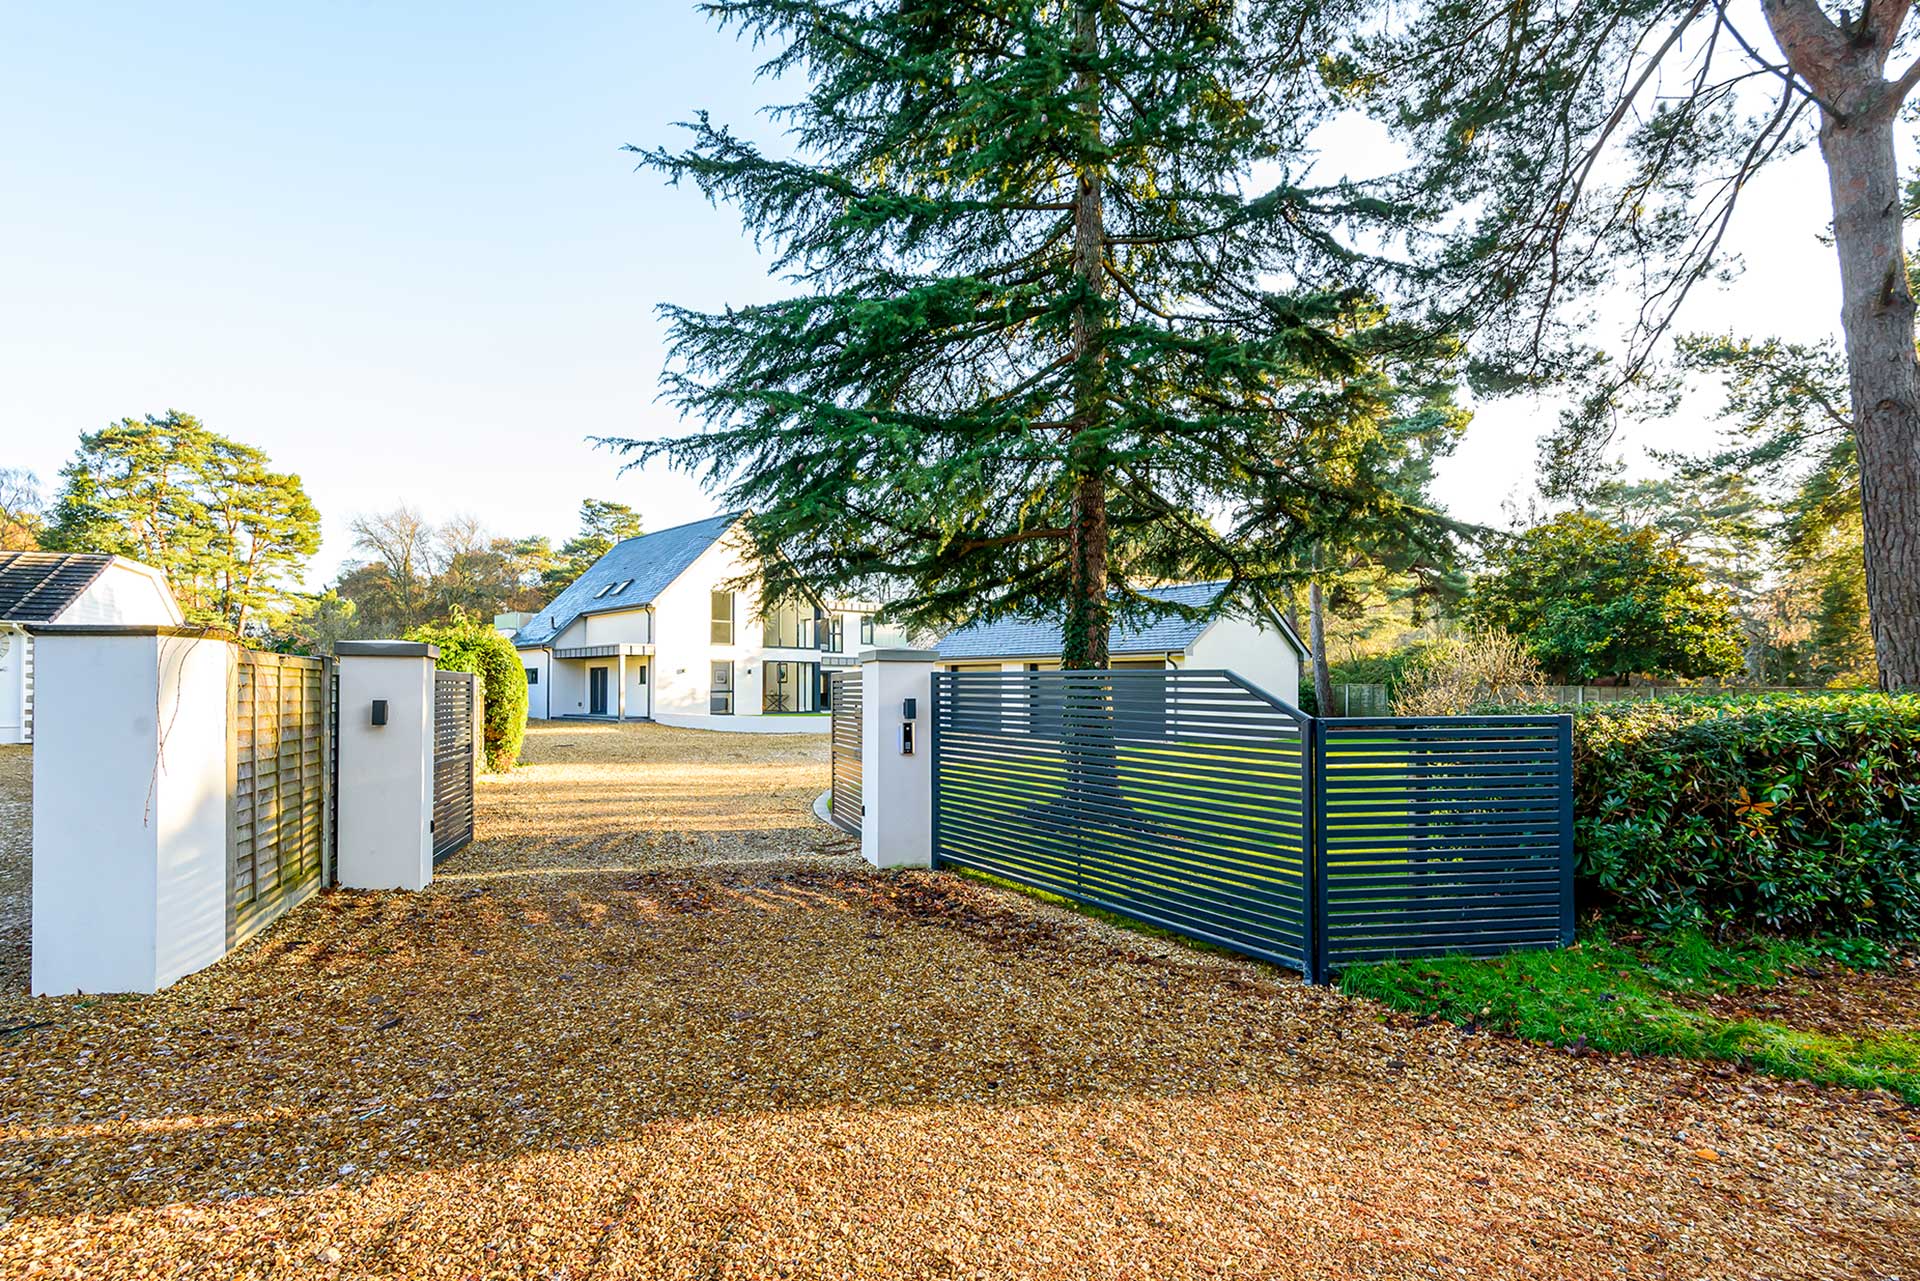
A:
(657, 1022)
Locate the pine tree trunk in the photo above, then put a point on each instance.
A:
(1877, 314)
(1083, 643)
(1317, 642)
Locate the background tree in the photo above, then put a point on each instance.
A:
(1587, 137)
(1364, 563)
(393, 587)
(1054, 347)
(22, 514)
(232, 535)
(602, 524)
(418, 572)
(1594, 601)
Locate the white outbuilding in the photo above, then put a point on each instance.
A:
(67, 587)
(1204, 635)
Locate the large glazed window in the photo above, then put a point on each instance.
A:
(789, 626)
(723, 618)
(789, 687)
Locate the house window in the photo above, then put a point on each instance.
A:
(641, 679)
(720, 697)
(533, 676)
(866, 629)
(789, 687)
(789, 626)
(603, 591)
(833, 633)
(723, 619)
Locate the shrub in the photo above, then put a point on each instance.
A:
(1380, 669)
(469, 645)
(1450, 676)
(1797, 814)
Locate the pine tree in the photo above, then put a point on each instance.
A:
(231, 534)
(1052, 347)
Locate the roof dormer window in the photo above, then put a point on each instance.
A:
(624, 584)
(603, 591)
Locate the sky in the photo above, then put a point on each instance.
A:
(399, 248)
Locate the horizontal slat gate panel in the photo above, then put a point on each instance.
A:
(1175, 798)
(1444, 834)
(276, 822)
(455, 711)
(844, 698)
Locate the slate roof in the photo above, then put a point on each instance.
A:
(36, 587)
(651, 561)
(1032, 638)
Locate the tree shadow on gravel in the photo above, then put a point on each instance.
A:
(567, 1010)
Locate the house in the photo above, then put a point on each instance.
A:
(668, 627)
(67, 587)
(1266, 654)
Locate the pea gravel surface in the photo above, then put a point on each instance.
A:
(658, 1022)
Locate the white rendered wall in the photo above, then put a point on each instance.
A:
(125, 594)
(683, 645)
(537, 660)
(1259, 655)
(14, 645)
(639, 687)
(896, 790)
(129, 811)
(385, 787)
(627, 627)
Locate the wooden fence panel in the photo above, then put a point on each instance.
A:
(279, 770)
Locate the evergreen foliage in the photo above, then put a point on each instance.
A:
(1794, 813)
(470, 645)
(231, 534)
(1052, 346)
(1593, 600)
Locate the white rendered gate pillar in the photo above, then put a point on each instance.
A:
(896, 757)
(384, 788)
(129, 806)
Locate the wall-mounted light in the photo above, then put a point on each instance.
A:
(379, 711)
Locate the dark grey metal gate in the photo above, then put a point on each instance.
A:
(1175, 798)
(456, 713)
(1444, 834)
(843, 700)
(1193, 801)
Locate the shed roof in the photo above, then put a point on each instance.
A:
(645, 564)
(1027, 638)
(37, 587)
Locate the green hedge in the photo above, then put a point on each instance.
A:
(469, 645)
(1796, 814)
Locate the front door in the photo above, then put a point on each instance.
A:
(596, 691)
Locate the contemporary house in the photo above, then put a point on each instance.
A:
(668, 627)
(1266, 654)
(66, 587)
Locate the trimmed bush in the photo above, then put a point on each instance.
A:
(469, 645)
(1795, 814)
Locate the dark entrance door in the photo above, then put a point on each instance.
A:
(596, 691)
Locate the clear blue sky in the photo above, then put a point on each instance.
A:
(397, 246)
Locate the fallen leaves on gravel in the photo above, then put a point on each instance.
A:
(657, 1022)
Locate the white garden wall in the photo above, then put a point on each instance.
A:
(129, 810)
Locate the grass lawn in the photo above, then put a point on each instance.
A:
(1789, 1009)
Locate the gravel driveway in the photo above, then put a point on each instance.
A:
(657, 1022)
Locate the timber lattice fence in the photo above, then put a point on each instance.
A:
(1192, 801)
